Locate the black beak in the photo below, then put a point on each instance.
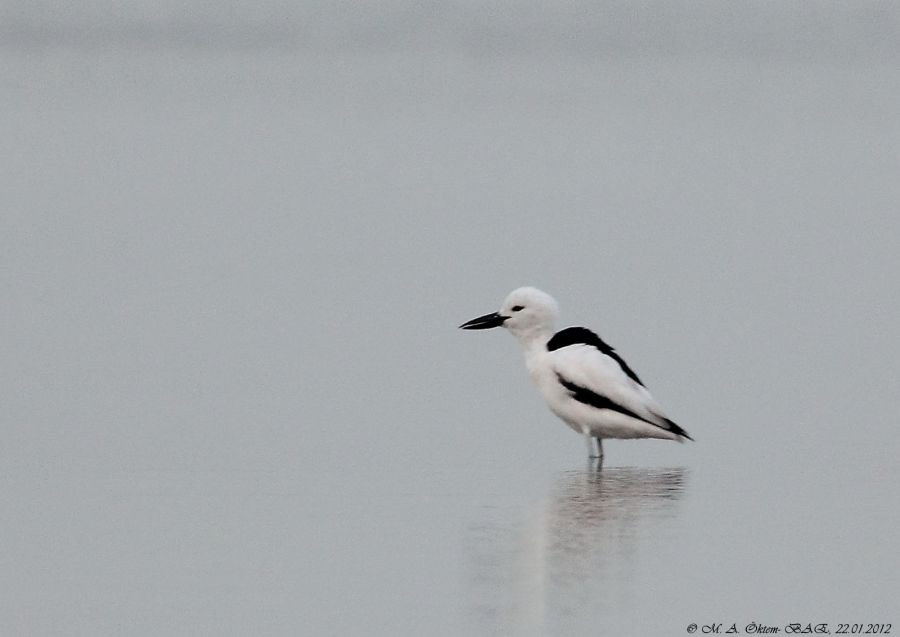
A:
(494, 319)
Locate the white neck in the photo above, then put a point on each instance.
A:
(534, 337)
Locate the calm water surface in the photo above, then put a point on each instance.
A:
(235, 401)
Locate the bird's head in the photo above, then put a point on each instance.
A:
(528, 313)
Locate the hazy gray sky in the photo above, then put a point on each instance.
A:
(808, 30)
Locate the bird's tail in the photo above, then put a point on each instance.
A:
(677, 430)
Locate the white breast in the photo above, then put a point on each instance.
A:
(540, 368)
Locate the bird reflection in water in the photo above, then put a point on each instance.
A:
(578, 552)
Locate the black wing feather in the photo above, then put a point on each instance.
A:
(592, 398)
(584, 336)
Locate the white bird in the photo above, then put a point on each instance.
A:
(583, 380)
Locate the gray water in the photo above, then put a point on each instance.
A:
(235, 246)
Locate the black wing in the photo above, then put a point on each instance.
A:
(592, 398)
(584, 336)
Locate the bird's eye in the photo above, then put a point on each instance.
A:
(516, 308)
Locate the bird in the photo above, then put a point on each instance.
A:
(584, 381)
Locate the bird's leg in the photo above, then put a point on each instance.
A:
(590, 444)
(589, 441)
